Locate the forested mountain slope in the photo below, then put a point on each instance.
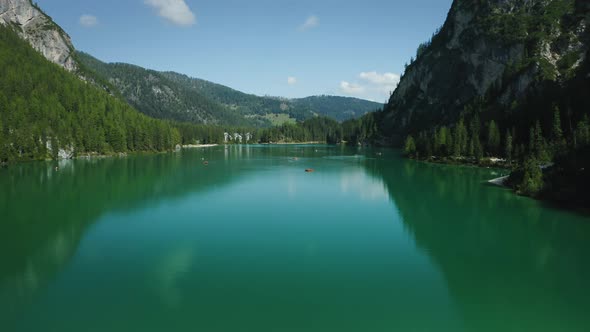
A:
(176, 96)
(154, 94)
(508, 60)
(506, 79)
(47, 112)
(338, 108)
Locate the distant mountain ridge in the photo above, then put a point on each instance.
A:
(155, 95)
(171, 95)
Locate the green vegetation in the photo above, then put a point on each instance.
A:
(153, 94)
(361, 131)
(528, 24)
(338, 108)
(410, 146)
(532, 118)
(44, 109)
(532, 179)
(279, 119)
(541, 149)
(312, 130)
(169, 95)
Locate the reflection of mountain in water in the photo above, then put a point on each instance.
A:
(510, 264)
(46, 212)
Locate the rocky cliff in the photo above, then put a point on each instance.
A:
(497, 50)
(39, 30)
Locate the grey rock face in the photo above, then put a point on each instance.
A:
(464, 62)
(39, 30)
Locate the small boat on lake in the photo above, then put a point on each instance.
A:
(309, 170)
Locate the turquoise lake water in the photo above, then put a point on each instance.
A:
(369, 241)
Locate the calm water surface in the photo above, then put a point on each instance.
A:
(250, 242)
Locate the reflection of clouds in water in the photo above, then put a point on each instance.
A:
(291, 186)
(367, 188)
(170, 271)
(22, 285)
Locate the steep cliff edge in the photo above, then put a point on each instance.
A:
(499, 51)
(39, 30)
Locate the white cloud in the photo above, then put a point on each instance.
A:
(88, 21)
(175, 11)
(374, 86)
(380, 79)
(351, 88)
(291, 80)
(311, 22)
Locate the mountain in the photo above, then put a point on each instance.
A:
(154, 94)
(338, 108)
(48, 112)
(176, 96)
(40, 31)
(503, 82)
(515, 57)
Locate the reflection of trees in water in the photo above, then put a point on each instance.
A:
(509, 263)
(46, 212)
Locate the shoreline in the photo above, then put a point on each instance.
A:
(196, 146)
(506, 183)
(488, 162)
(293, 143)
(500, 182)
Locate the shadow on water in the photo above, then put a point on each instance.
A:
(510, 263)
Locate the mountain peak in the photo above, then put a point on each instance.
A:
(499, 47)
(39, 30)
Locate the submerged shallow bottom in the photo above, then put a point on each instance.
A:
(252, 242)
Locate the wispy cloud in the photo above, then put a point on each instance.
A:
(88, 21)
(374, 85)
(380, 79)
(351, 88)
(291, 80)
(175, 11)
(311, 22)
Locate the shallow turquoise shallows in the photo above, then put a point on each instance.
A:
(367, 242)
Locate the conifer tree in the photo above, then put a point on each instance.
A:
(508, 147)
(532, 181)
(410, 146)
(493, 138)
(460, 139)
(475, 144)
(558, 142)
(532, 150)
(583, 132)
(541, 153)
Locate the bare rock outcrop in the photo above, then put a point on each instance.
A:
(39, 30)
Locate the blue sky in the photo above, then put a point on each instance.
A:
(266, 47)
